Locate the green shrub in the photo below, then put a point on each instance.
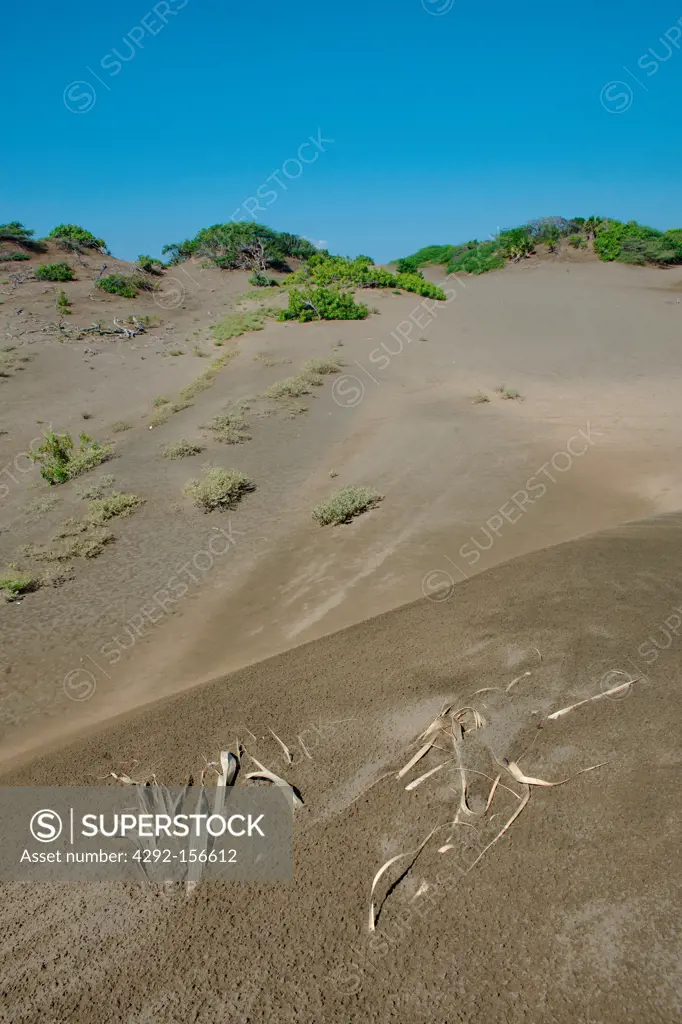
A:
(219, 488)
(635, 243)
(259, 280)
(577, 241)
(14, 257)
(17, 233)
(241, 245)
(59, 460)
(118, 284)
(63, 304)
(74, 238)
(345, 504)
(323, 270)
(54, 272)
(322, 304)
(150, 264)
(114, 505)
(516, 243)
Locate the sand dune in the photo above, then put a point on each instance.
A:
(498, 554)
(572, 916)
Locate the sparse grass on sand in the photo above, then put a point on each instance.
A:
(480, 397)
(241, 323)
(161, 416)
(115, 505)
(182, 449)
(120, 425)
(218, 488)
(159, 401)
(98, 489)
(80, 546)
(39, 508)
(230, 428)
(322, 366)
(207, 378)
(344, 504)
(290, 387)
(509, 393)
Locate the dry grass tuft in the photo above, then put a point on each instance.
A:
(182, 449)
(345, 504)
(117, 505)
(230, 428)
(219, 488)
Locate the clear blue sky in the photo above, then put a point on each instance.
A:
(445, 126)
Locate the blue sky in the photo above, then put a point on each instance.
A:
(448, 119)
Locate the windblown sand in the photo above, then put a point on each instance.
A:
(574, 913)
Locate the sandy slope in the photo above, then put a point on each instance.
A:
(591, 348)
(574, 916)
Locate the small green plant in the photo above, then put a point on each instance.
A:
(480, 397)
(577, 241)
(181, 406)
(259, 280)
(117, 284)
(54, 272)
(219, 488)
(176, 352)
(114, 506)
(14, 257)
(508, 393)
(60, 460)
(120, 426)
(15, 585)
(64, 307)
(159, 401)
(230, 428)
(182, 449)
(345, 504)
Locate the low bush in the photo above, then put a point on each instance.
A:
(150, 264)
(60, 460)
(230, 428)
(14, 257)
(219, 488)
(259, 280)
(118, 284)
(577, 241)
(74, 238)
(322, 304)
(323, 270)
(64, 306)
(115, 505)
(345, 504)
(322, 366)
(54, 272)
(182, 449)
